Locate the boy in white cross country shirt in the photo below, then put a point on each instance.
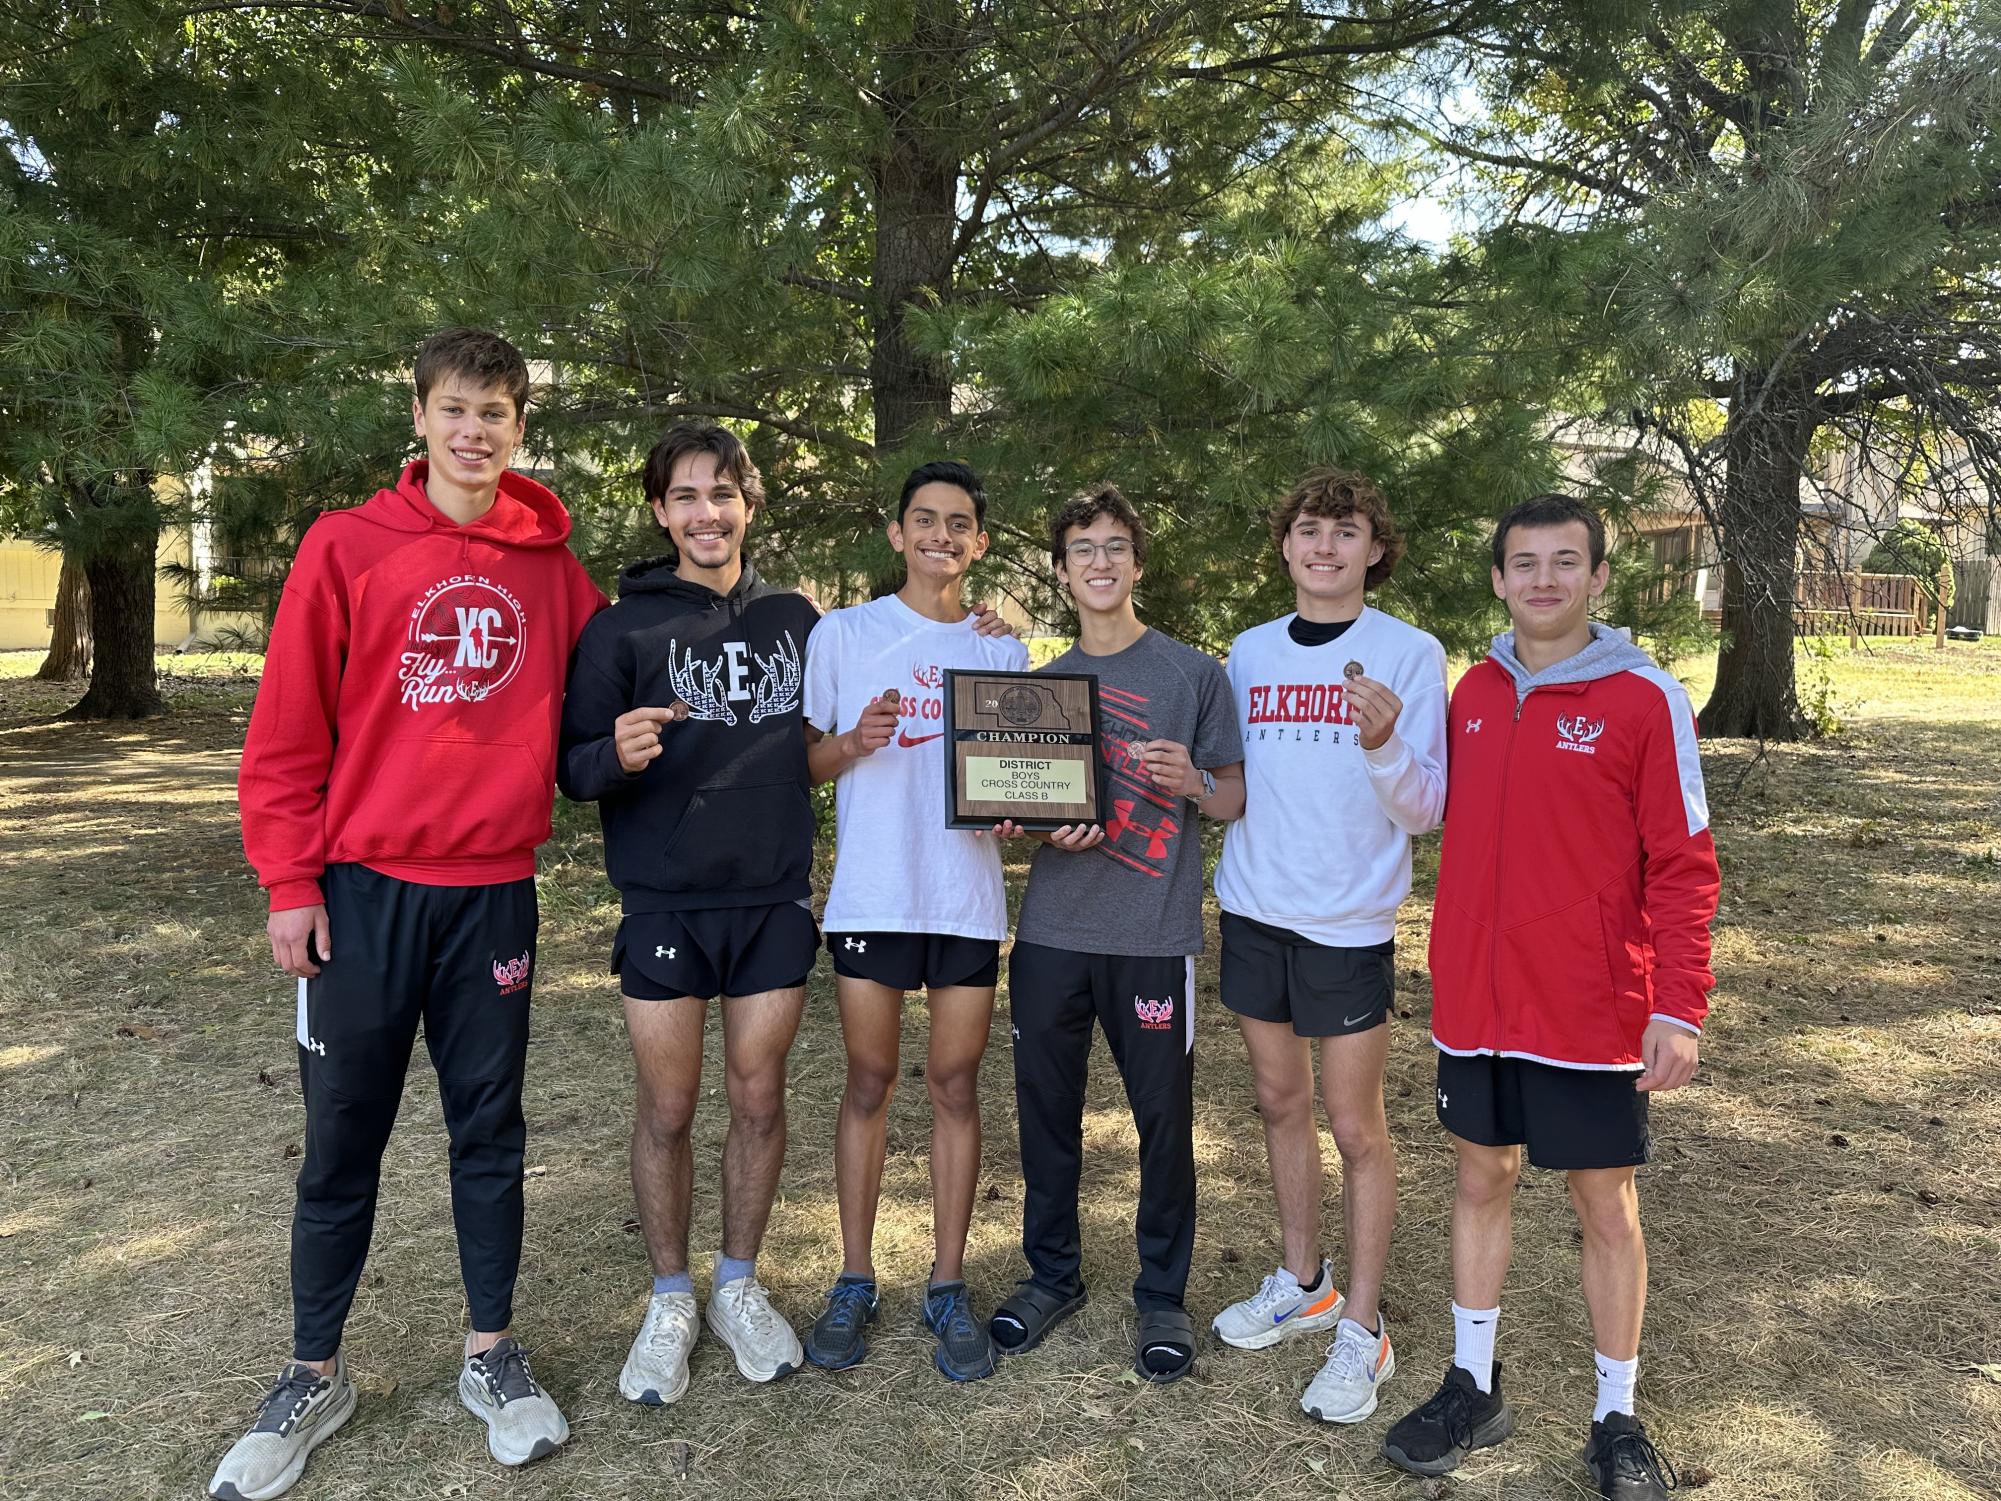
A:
(914, 905)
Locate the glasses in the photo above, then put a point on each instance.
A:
(1081, 554)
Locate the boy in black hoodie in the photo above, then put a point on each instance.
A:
(683, 723)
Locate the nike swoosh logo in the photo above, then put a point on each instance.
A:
(903, 738)
(1280, 1318)
(1349, 1021)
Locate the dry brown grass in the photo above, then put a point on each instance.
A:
(1825, 1214)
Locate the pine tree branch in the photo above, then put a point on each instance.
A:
(417, 28)
(736, 411)
(1400, 42)
(1110, 75)
(1604, 186)
(847, 291)
(1841, 47)
(1892, 37)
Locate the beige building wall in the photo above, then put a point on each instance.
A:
(28, 576)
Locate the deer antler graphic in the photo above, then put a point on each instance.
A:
(777, 691)
(700, 686)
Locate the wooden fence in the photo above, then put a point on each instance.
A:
(1871, 604)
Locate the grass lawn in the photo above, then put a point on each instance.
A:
(1824, 1212)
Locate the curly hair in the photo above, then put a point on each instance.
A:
(1081, 510)
(1334, 493)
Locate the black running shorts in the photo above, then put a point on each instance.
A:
(1567, 1118)
(729, 951)
(1274, 975)
(915, 961)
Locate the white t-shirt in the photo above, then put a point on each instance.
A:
(897, 868)
(1323, 847)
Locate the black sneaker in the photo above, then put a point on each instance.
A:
(965, 1351)
(1457, 1420)
(835, 1341)
(1625, 1463)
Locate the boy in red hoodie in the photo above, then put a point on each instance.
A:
(397, 776)
(1569, 969)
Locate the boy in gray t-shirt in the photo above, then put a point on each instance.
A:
(1109, 928)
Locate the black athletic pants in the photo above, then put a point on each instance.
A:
(458, 959)
(1143, 1005)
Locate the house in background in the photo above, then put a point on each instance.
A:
(1845, 510)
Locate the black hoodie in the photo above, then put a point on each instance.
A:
(720, 818)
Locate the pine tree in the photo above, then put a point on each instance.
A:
(1777, 225)
(176, 191)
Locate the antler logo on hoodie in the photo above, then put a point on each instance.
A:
(465, 643)
(708, 687)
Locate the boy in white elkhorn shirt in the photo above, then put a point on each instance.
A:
(914, 905)
(1343, 714)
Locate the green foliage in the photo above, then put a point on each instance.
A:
(1816, 686)
(1658, 605)
(1914, 549)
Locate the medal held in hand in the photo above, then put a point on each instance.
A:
(1023, 747)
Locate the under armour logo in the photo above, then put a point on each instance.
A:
(856, 945)
(1156, 838)
(1014, 1032)
(661, 951)
(1473, 726)
(1444, 1099)
(314, 1045)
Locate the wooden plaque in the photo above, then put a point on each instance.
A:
(1024, 746)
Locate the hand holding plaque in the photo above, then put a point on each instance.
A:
(1023, 749)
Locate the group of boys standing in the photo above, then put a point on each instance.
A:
(440, 658)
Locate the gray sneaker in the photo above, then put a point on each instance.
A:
(296, 1416)
(522, 1422)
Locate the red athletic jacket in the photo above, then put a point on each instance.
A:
(407, 716)
(1578, 877)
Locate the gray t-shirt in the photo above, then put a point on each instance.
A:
(1140, 891)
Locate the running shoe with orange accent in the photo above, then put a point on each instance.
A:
(1358, 1363)
(1280, 1309)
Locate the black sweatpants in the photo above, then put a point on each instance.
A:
(458, 959)
(1144, 1006)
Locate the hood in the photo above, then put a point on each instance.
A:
(523, 514)
(657, 576)
(1610, 651)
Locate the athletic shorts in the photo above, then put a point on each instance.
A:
(1274, 975)
(663, 956)
(915, 961)
(1567, 1118)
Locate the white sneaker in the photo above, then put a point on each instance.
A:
(656, 1372)
(1358, 1363)
(522, 1422)
(1280, 1309)
(741, 1316)
(296, 1416)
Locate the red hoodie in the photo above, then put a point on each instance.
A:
(1578, 876)
(407, 716)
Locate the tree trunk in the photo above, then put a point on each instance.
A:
(121, 578)
(1765, 447)
(69, 636)
(916, 181)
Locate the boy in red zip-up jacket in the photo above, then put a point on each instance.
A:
(397, 776)
(1570, 968)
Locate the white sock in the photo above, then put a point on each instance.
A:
(1616, 1380)
(1473, 1343)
